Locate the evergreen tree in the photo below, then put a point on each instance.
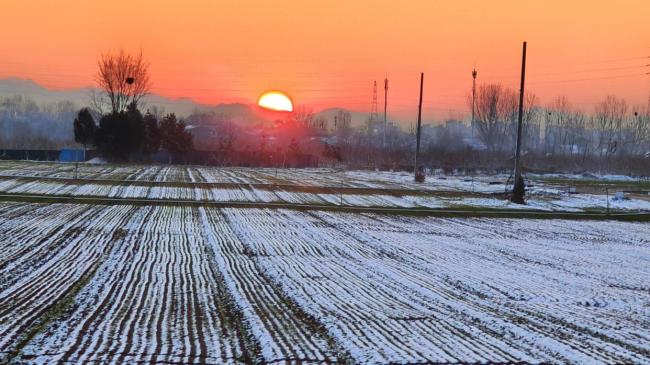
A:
(120, 134)
(84, 128)
(151, 142)
(174, 137)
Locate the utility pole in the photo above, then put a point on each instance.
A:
(474, 73)
(518, 190)
(385, 107)
(416, 172)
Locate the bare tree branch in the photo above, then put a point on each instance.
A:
(124, 78)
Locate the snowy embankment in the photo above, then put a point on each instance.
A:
(164, 284)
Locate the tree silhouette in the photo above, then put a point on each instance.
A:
(84, 128)
(124, 78)
(174, 137)
(151, 141)
(120, 134)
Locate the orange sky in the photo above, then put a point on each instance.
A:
(327, 53)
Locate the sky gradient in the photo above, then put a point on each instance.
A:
(327, 53)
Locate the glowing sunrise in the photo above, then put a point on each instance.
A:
(275, 100)
(330, 54)
(324, 182)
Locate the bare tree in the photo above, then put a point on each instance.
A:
(639, 126)
(99, 102)
(124, 78)
(319, 123)
(531, 125)
(304, 116)
(577, 135)
(556, 119)
(342, 120)
(608, 120)
(565, 128)
(487, 113)
(494, 107)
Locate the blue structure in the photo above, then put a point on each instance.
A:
(70, 155)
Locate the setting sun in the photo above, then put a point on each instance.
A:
(275, 100)
(369, 182)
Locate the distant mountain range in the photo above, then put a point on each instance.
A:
(81, 97)
(183, 107)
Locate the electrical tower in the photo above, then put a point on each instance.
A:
(374, 115)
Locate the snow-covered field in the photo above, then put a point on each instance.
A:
(83, 283)
(309, 176)
(299, 186)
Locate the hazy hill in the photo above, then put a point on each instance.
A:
(183, 107)
(13, 86)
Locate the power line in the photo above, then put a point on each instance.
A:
(592, 70)
(586, 79)
(547, 66)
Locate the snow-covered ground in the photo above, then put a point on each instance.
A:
(352, 188)
(172, 284)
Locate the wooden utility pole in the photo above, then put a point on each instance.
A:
(518, 186)
(417, 142)
(474, 73)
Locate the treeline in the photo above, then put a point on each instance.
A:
(128, 135)
(614, 138)
(613, 129)
(25, 124)
(122, 132)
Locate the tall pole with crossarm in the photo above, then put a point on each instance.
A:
(519, 187)
(474, 73)
(417, 138)
(385, 108)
